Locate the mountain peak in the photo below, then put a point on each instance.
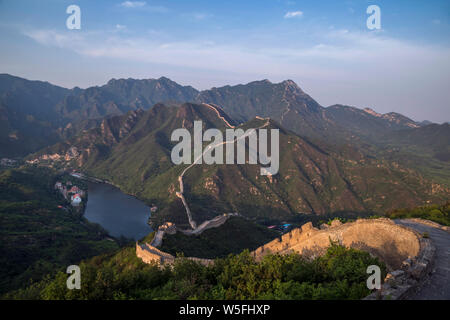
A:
(292, 87)
(253, 83)
(372, 112)
(164, 79)
(290, 83)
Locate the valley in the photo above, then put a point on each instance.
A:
(40, 231)
(326, 181)
(334, 162)
(217, 159)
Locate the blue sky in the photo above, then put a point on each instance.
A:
(324, 46)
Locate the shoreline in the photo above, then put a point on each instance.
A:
(91, 179)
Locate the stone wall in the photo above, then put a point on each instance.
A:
(149, 254)
(381, 237)
(384, 239)
(408, 256)
(400, 283)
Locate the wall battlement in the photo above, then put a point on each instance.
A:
(149, 254)
(383, 238)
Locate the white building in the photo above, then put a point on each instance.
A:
(76, 200)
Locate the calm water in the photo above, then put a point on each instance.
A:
(117, 212)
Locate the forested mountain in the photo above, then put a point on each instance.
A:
(133, 151)
(36, 114)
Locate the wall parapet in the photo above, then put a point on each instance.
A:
(382, 238)
(399, 284)
(408, 256)
(149, 254)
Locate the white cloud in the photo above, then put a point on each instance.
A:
(142, 5)
(197, 15)
(293, 14)
(436, 21)
(340, 48)
(355, 68)
(133, 4)
(200, 16)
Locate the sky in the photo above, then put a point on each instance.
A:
(324, 46)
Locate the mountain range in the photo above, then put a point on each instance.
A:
(133, 150)
(334, 159)
(35, 114)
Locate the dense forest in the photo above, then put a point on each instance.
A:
(339, 274)
(40, 232)
(39, 239)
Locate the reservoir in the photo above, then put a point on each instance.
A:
(117, 212)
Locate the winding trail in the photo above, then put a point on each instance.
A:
(437, 285)
(180, 194)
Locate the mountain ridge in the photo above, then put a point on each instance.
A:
(310, 180)
(73, 110)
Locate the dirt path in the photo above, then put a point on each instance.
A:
(437, 286)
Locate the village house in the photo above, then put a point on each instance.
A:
(76, 200)
(7, 162)
(74, 189)
(74, 192)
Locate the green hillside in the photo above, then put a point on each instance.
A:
(339, 274)
(133, 152)
(37, 237)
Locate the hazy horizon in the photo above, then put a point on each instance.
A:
(326, 47)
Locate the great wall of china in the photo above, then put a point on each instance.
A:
(149, 252)
(380, 237)
(383, 238)
(408, 256)
(180, 194)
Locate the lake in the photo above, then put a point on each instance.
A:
(117, 212)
